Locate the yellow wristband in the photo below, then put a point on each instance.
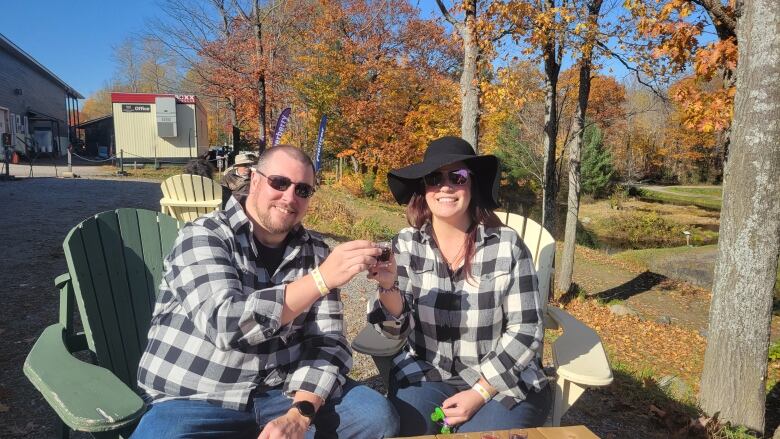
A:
(320, 282)
(482, 392)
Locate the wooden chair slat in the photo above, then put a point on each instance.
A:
(138, 276)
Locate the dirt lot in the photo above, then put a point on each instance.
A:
(38, 212)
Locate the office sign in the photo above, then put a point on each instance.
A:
(136, 108)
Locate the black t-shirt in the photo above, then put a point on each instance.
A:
(270, 257)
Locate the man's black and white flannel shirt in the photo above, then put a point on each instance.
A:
(459, 330)
(215, 333)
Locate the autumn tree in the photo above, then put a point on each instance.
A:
(589, 28)
(670, 38)
(735, 363)
(469, 78)
(540, 27)
(385, 78)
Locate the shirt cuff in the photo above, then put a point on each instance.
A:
(266, 307)
(320, 382)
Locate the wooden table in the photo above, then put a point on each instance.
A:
(571, 432)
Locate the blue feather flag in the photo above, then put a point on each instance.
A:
(320, 141)
(281, 125)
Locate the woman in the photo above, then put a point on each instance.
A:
(462, 290)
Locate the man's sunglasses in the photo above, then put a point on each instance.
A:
(456, 177)
(281, 183)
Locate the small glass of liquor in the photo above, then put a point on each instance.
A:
(387, 250)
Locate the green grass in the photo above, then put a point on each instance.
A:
(644, 257)
(710, 191)
(681, 199)
(148, 172)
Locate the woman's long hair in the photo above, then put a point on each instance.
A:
(418, 213)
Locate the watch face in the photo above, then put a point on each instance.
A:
(305, 407)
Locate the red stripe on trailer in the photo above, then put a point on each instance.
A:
(148, 98)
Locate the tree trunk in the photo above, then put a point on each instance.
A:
(469, 81)
(261, 91)
(575, 153)
(551, 69)
(735, 364)
(231, 106)
(469, 78)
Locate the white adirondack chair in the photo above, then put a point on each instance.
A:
(578, 355)
(187, 196)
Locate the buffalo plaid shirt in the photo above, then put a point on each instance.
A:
(216, 334)
(459, 329)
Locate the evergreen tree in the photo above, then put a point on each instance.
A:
(597, 169)
(520, 165)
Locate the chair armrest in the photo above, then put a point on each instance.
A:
(371, 342)
(578, 353)
(169, 202)
(61, 280)
(86, 397)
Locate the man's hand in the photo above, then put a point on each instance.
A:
(461, 406)
(347, 260)
(292, 425)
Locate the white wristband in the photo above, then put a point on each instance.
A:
(322, 287)
(482, 392)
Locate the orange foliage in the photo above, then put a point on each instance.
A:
(673, 33)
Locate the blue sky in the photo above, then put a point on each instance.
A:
(75, 39)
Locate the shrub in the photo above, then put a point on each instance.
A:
(646, 227)
(774, 351)
(328, 215)
(368, 189)
(352, 183)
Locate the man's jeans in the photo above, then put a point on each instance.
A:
(360, 413)
(415, 404)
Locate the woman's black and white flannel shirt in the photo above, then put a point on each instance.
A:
(216, 334)
(459, 330)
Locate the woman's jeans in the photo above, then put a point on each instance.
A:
(416, 402)
(360, 413)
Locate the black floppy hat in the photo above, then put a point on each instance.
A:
(404, 182)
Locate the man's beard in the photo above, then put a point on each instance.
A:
(275, 226)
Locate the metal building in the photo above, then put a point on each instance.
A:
(35, 105)
(152, 127)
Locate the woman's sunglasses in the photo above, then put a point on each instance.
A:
(281, 183)
(456, 177)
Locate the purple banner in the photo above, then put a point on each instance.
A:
(320, 141)
(281, 125)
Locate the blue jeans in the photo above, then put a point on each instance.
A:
(416, 402)
(360, 412)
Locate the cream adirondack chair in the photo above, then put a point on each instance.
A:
(187, 196)
(578, 355)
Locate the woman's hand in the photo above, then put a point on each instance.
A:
(461, 406)
(385, 273)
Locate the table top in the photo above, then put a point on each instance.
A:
(569, 432)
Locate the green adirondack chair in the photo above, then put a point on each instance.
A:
(114, 269)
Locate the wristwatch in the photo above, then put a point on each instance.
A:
(306, 409)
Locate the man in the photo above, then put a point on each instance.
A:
(235, 180)
(247, 333)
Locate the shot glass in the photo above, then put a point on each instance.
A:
(387, 250)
